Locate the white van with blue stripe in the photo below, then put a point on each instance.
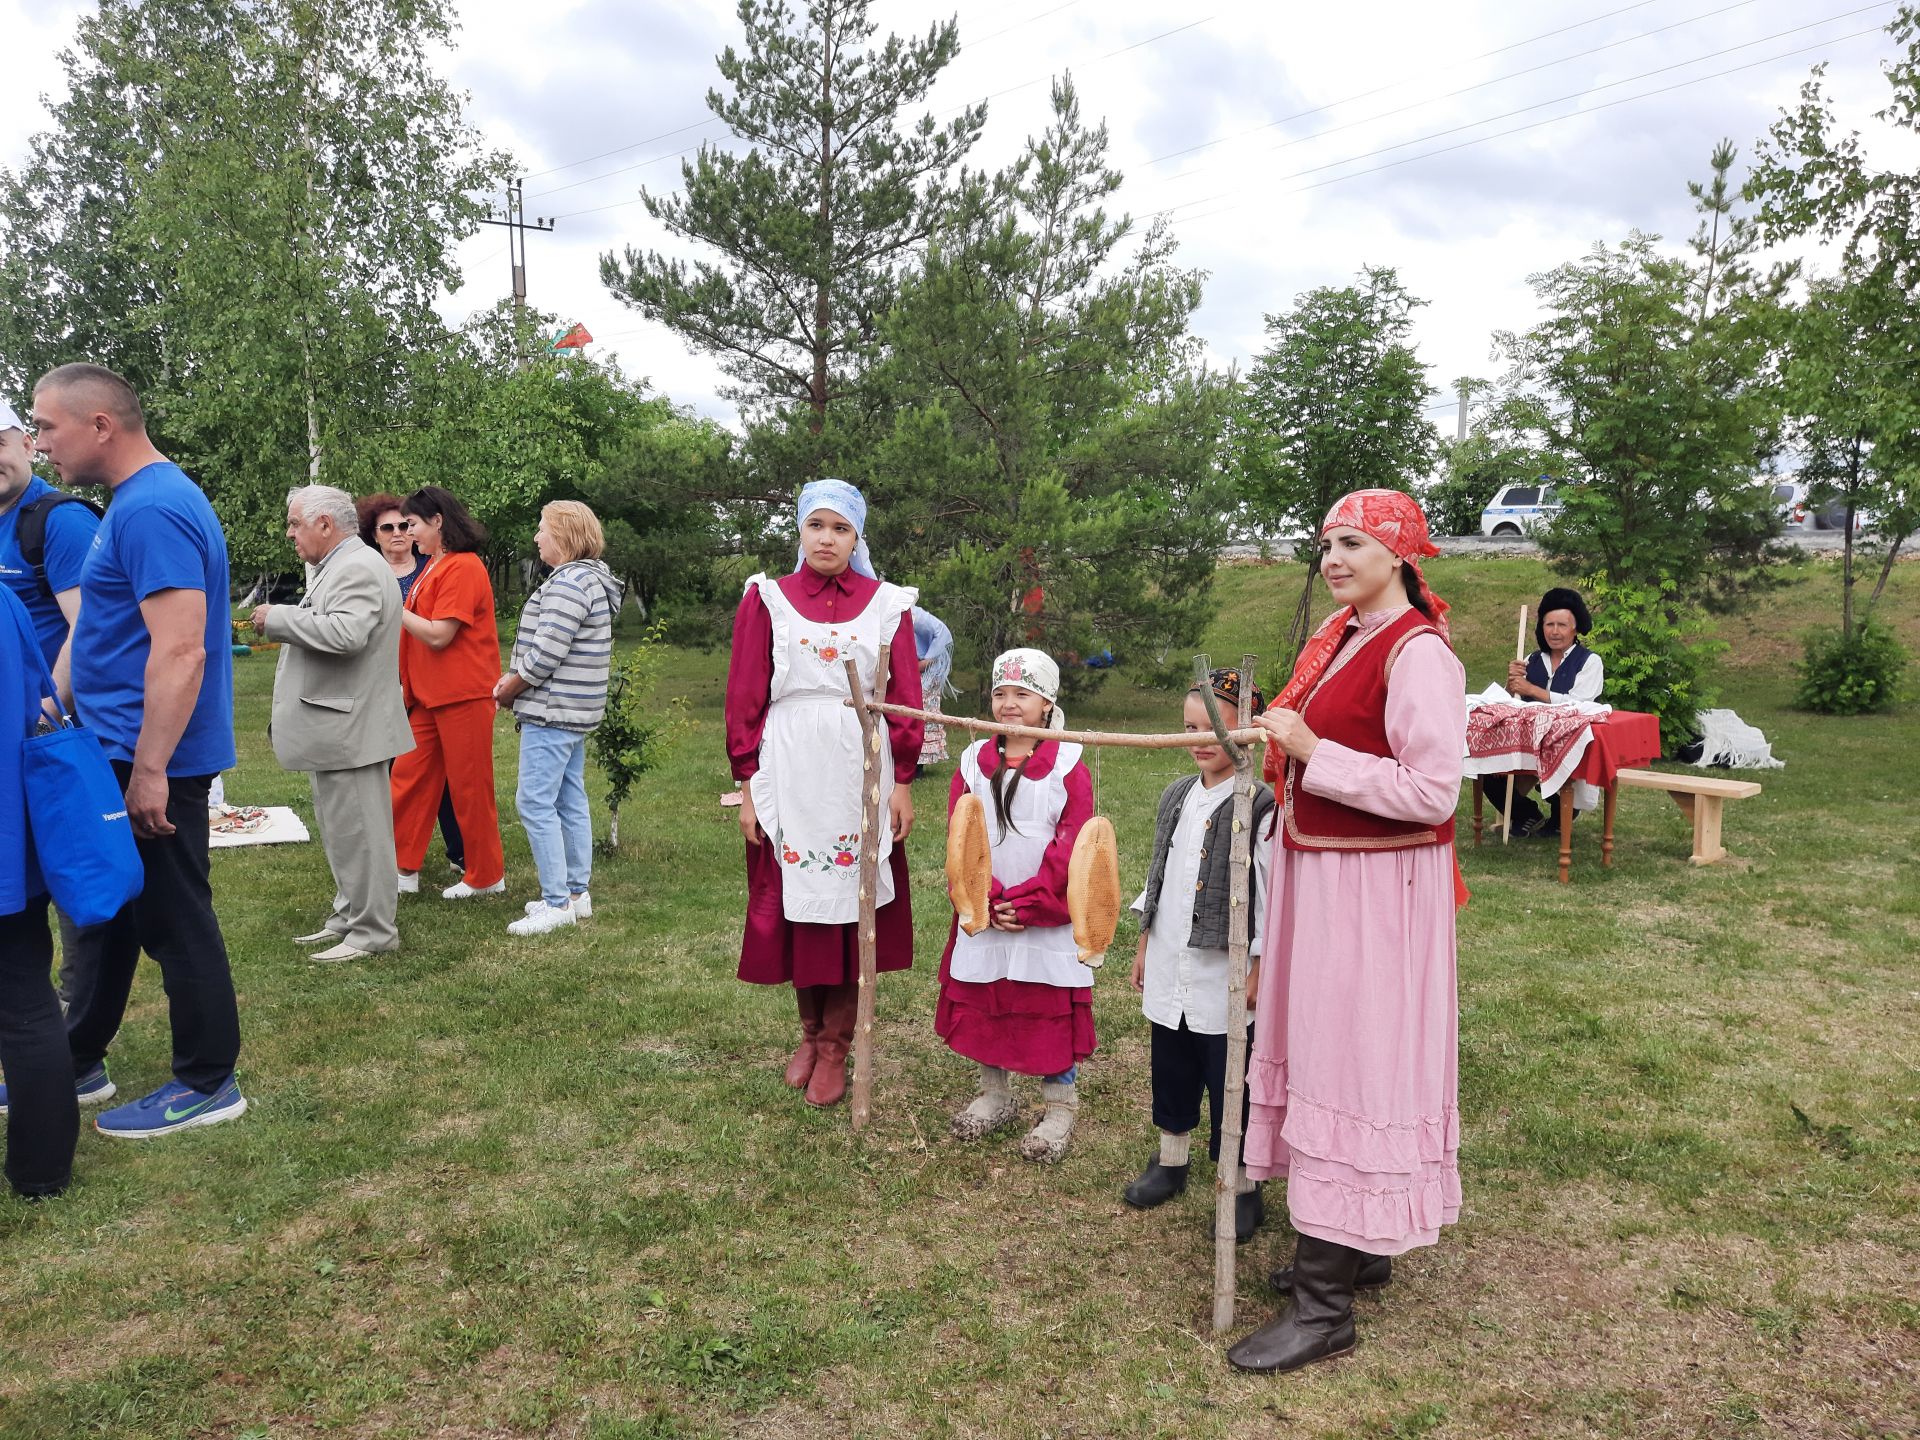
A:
(1519, 510)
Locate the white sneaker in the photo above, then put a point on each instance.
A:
(409, 882)
(464, 891)
(543, 920)
(582, 905)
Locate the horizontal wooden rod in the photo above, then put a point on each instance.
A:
(1185, 740)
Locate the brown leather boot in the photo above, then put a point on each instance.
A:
(1317, 1323)
(800, 1067)
(840, 1004)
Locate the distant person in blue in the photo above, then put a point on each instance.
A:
(43, 1119)
(933, 642)
(45, 535)
(153, 678)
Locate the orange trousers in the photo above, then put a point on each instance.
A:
(452, 750)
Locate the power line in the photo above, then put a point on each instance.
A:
(1518, 129)
(1452, 94)
(1556, 100)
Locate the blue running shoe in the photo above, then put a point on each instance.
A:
(92, 1088)
(172, 1107)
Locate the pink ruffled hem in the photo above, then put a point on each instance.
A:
(1314, 1127)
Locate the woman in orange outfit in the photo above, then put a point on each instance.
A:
(449, 661)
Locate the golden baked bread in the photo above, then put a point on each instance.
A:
(1093, 889)
(969, 864)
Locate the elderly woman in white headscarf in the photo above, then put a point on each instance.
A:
(1015, 999)
(795, 748)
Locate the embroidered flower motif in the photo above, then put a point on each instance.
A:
(832, 649)
(843, 854)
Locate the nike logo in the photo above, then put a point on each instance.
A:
(200, 1104)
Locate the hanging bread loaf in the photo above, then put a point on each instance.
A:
(1093, 889)
(969, 864)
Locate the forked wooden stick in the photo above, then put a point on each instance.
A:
(871, 733)
(1226, 1175)
(1506, 806)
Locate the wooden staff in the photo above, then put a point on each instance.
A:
(871, 734)
(1226, 1175)
(1186, 740)
(1506, 806)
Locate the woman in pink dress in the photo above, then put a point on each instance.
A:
(1353, 1082)
(795, 747)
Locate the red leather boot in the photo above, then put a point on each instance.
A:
(800, 1067)
(840, 1005)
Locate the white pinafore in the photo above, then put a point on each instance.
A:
(807, 789)
(1040, 954)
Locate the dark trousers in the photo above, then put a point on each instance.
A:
(173, 921)
(1524, 808)
(450, 831)
(1184, 1066)
(43, 1120)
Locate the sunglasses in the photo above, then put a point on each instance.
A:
(391, 527)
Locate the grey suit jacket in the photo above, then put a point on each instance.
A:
(336, 693)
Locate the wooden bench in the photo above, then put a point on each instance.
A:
(1701, 798)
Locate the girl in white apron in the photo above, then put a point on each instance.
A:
(1015, 998)
(795, 746)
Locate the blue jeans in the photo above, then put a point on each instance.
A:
(552, 801)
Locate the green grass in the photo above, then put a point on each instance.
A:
(506, 1188)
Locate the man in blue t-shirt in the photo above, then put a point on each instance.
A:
(68, 537)
(153, 678)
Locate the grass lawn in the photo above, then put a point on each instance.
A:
(492, 1187)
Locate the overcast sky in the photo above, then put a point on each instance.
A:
(1468, 146)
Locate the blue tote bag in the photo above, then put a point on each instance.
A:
(81, 833)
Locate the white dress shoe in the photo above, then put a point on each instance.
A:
(342, 951)
(318, 937)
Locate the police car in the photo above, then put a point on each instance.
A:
(1520, 509)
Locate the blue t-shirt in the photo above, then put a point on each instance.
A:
(19, 706)
(69, 536)
(160, 534)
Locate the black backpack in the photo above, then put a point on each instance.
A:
(30, 531)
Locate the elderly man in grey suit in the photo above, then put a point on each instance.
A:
(338, 713)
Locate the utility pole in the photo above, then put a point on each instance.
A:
(516, 225)
(1460, 430)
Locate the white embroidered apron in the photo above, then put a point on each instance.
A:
(1040, 954)
(807, 789)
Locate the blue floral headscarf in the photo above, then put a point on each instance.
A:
(845, 501)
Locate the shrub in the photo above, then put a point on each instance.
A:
(1656, 652)
(636, 733)
(1851, 675)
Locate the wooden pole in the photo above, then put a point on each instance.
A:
(1226, 1175)
(1506, 807)
(872, 732)
(1186, 740)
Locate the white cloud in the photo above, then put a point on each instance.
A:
(1465, 228)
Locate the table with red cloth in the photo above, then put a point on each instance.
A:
(1620, 740)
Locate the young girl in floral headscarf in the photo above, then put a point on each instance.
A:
(1015, 998)
(1353, 1083)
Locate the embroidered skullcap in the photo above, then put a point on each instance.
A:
(848, 503)
(10, 418)
(1226, 684)
(1032, 670)
(1561, 598)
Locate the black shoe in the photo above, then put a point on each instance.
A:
(1249, 1214)
(1155, 1185)
(1317, 1323)
(1375, 1273)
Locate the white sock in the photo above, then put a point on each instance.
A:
(1174, 1149)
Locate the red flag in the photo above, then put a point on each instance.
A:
(573, 339)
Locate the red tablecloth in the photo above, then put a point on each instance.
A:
(1621, 741)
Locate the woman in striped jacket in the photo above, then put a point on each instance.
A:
(557, 690)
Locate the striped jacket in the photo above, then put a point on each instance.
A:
(564, 647)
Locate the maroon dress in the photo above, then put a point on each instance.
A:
(775, 950)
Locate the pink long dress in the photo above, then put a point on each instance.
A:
(1354, 1078)
(773, 949)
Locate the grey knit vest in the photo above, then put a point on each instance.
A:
(1211, 908)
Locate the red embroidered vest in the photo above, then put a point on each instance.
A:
(1349, 706)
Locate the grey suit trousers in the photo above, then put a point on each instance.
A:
(355, 812)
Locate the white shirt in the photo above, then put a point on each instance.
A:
(1586, 685)
(1181, 981)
